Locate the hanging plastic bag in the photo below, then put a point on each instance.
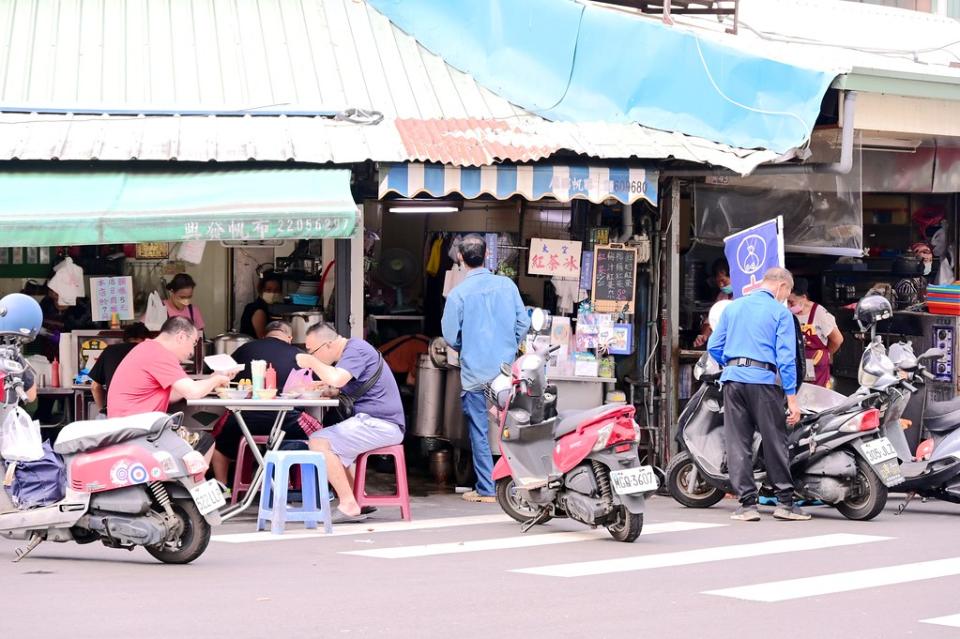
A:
(298, 381)
(156, 313)
(20, 437)
(41, 482)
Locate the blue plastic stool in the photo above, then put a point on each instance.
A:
(273, 508)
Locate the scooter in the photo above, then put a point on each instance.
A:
(131, 481)
(836, 452)
(578, 464)
(932, 469)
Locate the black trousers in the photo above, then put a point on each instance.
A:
(746, 409)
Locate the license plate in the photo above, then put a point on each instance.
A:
(208, 496)
(879, 450)
(889, 472)
(634, 480)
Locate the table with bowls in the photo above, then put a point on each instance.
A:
(236, 401)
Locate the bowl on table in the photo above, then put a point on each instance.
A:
(266, 393)
(313, 394)
(233, 393)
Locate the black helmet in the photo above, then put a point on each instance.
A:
(871, 309)
(907, 266)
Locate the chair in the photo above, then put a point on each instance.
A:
(243, 473)
(274, 507)
(402, 496)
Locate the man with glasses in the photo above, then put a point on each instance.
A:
(356, 369)
(151, 376)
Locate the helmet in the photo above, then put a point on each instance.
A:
(871, 309)
(21, 316)
(716, 311)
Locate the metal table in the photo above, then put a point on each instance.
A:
(279, 406)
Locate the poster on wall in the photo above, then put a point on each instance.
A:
(560, 258)
(753, 251)
(111, 295)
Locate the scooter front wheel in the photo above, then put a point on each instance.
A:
(688, 486)
(193, 538)
(512, 504)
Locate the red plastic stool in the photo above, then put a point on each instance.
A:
(243, 473)
(401, 498)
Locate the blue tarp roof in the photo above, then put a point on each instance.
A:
(574, 62)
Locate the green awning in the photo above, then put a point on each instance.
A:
(74, 206)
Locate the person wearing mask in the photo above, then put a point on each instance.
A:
(180, 300)
(912, 289)
(484, 320)
(355, 368)
(256, 314)
(755, 340)
(106, 366)
(821, 337)
(276, 349)
(721, 278)
(151, 376)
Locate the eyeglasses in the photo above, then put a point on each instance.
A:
(327, 343)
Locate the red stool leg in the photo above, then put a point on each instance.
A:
(403, 492)
(360, 481)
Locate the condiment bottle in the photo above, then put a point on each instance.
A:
(55, 373)
(114, 321)
(270, 378)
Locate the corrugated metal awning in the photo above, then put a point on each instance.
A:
(534, 182)
(73, 207)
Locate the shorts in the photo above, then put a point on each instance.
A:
(361, 433)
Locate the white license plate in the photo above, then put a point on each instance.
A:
(879, 450)
(634, 480)
(208, 496)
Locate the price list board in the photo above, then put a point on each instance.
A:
(614, 278)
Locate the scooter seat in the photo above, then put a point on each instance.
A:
(80, 437)
(940, 417)
(568, 420)
(939, 409)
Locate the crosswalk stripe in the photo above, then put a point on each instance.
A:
(950, 620)
(701, 555)
(521, 541)
(362, 528)
(843, 581)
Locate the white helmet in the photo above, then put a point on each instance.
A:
(716, 311)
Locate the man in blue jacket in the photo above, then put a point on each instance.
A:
(755, 340)
(484, 320)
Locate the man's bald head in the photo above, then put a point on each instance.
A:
(778, 281)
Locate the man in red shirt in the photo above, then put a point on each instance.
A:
(151, 375)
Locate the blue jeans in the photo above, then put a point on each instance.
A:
(475, 412)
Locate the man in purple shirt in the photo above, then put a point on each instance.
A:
(352, 366)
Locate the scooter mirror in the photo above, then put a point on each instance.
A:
(931, 353)
(540, 320)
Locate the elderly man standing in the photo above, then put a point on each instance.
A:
(356, 369)
(484, 320)
(755, 340)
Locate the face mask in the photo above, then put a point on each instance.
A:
(270, 298)
(927, 267)
(797, 309)
(726, 290)
(184, 302)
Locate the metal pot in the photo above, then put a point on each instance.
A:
(429, 389)
(301, 322)
(226, 343)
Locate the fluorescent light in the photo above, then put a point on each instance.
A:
(424, 209)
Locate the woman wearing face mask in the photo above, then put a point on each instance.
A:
(721, 278)
(256, 314)
(822, 338)
(180, 300)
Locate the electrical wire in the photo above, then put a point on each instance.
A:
(573, 63)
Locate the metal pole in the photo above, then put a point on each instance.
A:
(342, 291)
(671, 328)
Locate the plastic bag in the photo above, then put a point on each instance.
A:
(41, 482)
(156, 313)
(299, 380)
(20, 437)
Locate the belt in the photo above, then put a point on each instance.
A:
(751, 363)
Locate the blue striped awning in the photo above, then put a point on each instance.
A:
(534, 182)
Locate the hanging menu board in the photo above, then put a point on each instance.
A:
(614, 278)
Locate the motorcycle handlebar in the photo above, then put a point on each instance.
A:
(910, 387)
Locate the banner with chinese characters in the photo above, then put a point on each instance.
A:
(554, 257)
(109, 295)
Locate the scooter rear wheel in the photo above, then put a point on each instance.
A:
(872, 496)
(701, 494)
(193, 539)
(627, 527)
(513, 505)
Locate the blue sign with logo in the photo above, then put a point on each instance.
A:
(752, 252)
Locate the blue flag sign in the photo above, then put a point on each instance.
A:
(752, 252)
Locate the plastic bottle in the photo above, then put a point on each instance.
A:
(114, 321)
(270, 378)
(55, 374)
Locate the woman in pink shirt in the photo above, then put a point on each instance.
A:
(180, 300)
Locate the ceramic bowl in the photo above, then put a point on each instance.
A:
(267, 393)
(233, 393)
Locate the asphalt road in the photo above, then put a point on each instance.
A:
(463, 570)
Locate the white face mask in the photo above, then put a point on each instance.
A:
(927, 267)
(270, 298)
